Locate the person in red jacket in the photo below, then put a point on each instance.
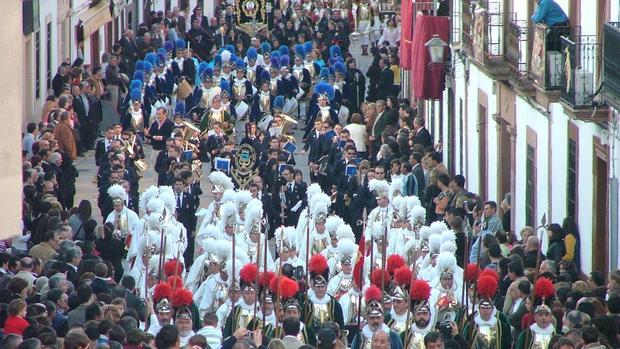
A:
(16, 322)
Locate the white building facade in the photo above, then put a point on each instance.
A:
(542, 132)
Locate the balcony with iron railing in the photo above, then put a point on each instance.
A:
(580, 78)
(546, 63)
(485, 37)
(518, 56)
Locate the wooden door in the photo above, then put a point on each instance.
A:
(600, 233)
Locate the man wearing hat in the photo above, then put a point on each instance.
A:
(374, 319)
(304, 79)
(213, 291)
(262, 102)
(379, 219)
(245, 309)
(423, 319)
(342, 282)
(446, 293)
(320, 306)
(183, 317)
(541, 334)
(122, 217)
(161, 314)
(490, 328)
(242, 90)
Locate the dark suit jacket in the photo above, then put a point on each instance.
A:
(423, 137)
(100, 286)
(418, 172)
(100, 152)
(292, 198)
(130, 49)
(380, 124)
(186, 214)
(386, 83)
(165, 131)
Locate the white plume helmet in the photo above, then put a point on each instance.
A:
(253, 216)
(229, 270)
(448, 246)
(413, 201)
(219, 247)
(150, 193)
(448, 235)
(378, 231)
(154, 221)
(345, 232)
(396, 187)
(215, 92)
(438, 227)
(417, 215)
(399, 203)
(164, 189)
(220, 180)
(347, 247)
(116, 192)
(292, 237)
(409, 245)
(379, 186)
(319, 199)
(242, 198)
(229, 196)
(446, 261)
(434, 243)
(332, 223)
(425, 233)
(210, 231)
(170, 202)
(156, 205)
(226, 55)
(313, 189)
(227, 210)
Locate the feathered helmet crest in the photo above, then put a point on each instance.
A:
(220, 182)
(248, 276)
(543, 293)
(402, 280)
(173, 267)
(182, 302)
(319, 270)
(117, 193)
(161, 297)
(486, 289)
(286, 289)
(373, 299)
(347, 250)
(380, 187)
(420, 292)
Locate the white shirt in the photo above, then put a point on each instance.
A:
(358, 135)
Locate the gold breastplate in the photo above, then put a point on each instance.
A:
(204, 100)
(321, 313)
(541, 341)
(239, 90)
(318, 246)
(137, 122)
(250, 74)
(243, 318)
(298, 74)
(325, 114)
(399, 327)
(216, 116)
(486, 337)
(265, 102)
(273, 84)
(345, 285)
(220, 294)
(417, 341)
(310, 67)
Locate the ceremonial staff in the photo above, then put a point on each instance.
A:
(360, 285)
(162, 248)
(384, 249)
(543, 228)
(264, 259)
(233, 273)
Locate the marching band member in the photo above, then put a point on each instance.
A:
(262, 102)
(302, 75)
(323, 110)
(242, 90)
(251, 64)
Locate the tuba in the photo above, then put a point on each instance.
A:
(288, 123)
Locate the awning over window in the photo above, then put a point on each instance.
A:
(93, 18)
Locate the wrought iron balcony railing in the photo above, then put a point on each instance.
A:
(517, 53)
(547, 59)
(581, 60)
(611, 63)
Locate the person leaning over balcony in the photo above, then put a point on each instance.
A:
(551, 14)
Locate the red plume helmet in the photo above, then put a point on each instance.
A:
(420, 290)
(181, 297)
(543, 288)
(373, 293)
(394, 262)
(379, 275)
(162, 290)
(288, 288)
(248, 273)
(266, 277)
(471, 272)
(403, 276)
(489, 272)
(175, 281)
(487, 286)
(173, 267)
(318, 264)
